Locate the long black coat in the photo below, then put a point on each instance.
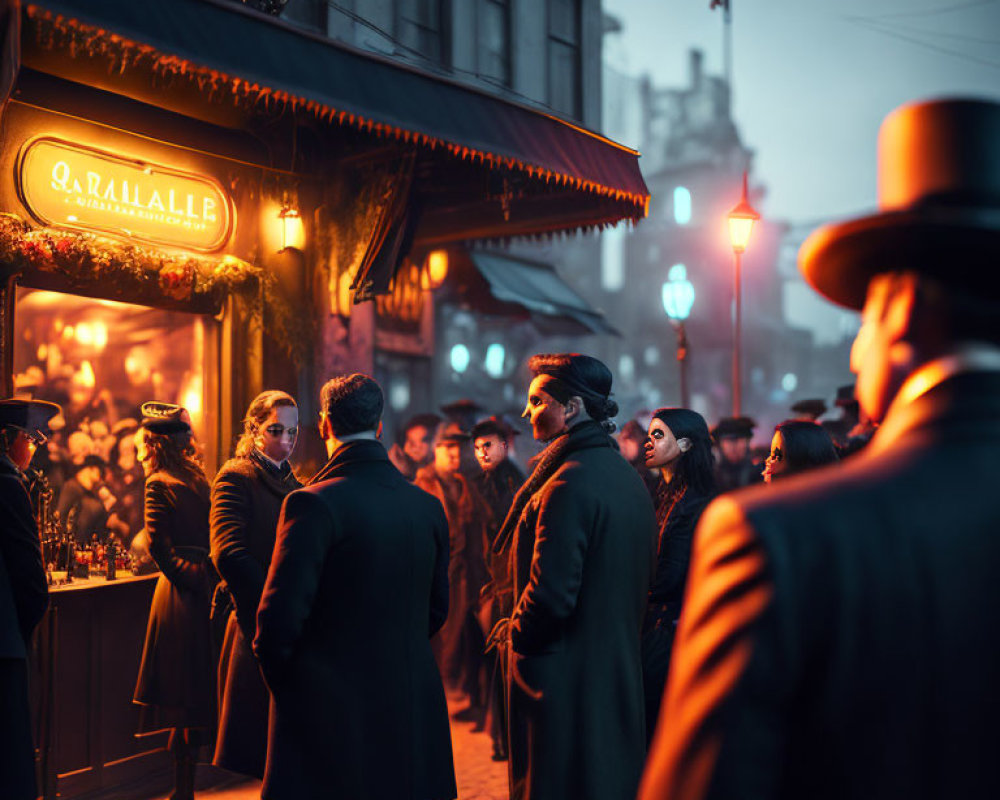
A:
(23, 600)
(246, 503)
(839, 636)
(177, 674)
(673, 554)
(357, 586)
(583, 560)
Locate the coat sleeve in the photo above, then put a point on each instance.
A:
(22, 556)
(674, 557)
(179, 571)
(719, 733)
(439, 588)
(305, 535)
(229, 524)
(550, 595)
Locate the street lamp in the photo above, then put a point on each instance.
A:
(741, 221)
(678, 297)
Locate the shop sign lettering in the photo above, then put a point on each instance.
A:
(71, 186)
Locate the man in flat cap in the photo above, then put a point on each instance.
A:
(839, 633)
(582, 534)
(23, 591)
(735, 467)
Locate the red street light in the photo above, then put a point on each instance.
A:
(741, 222)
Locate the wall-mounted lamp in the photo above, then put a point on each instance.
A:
(293, 234)
(435, 270)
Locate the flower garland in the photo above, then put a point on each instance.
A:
(132, 270)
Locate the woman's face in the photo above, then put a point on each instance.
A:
(776, 462)
(276, 435)
(662, 448)
(142, 452)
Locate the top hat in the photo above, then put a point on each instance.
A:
(734, 428)
(30, 416)
(938, 206)
(164, 418)
(845, 396)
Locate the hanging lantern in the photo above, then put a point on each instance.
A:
(435, 270)
(293, 233)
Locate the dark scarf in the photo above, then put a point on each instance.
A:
(581, 436)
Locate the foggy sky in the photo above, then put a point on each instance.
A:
(814, 78)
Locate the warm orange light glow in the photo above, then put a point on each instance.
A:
(82, 188)
(87, 377)
(293, 233)
(85, 334)
(741, 221)
(435, 270)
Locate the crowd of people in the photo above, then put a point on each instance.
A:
(633, 614)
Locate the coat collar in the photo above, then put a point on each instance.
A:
(349, 455)
(278, 480)
(953, 393)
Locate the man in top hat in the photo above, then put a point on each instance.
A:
(839, 633)
(809, 410)
(735, 467)
(23, 590)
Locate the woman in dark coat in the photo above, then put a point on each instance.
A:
(246, 504)
(176, 677)
(680, 447)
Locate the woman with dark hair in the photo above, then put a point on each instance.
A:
(680, 447)
(246, 503)
(176, 685)
(798, 446)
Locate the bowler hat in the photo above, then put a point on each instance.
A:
(30, 416)
(938, 206)
(812, 406)
(450, 433)
(734, 428)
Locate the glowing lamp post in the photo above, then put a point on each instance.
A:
(678, 298)
(741, 222)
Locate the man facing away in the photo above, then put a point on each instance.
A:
(584, 536)
(839, 633)
(357, 586)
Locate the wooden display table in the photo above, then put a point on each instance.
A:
(84, 666)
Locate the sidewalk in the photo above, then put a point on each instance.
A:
(479, 777)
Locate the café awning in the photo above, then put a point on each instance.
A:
(553, 306)
(568, 177)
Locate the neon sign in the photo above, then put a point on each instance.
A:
(77, 187)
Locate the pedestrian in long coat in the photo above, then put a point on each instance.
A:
(176, 684)
(679, 447)
(23, 591)
(357, 586)
(839, 635)
(584, 533)
(246, 503)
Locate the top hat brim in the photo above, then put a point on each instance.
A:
(956, 245)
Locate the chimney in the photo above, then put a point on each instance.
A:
(696, 57)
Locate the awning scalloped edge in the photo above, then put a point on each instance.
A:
(124, 53)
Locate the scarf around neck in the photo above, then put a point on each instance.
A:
(579, 437)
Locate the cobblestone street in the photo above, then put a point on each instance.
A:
(479, 777)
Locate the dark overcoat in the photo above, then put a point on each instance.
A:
(582, 562)
(673, 554)
(839, 636)
(246, 503)
(177, 673)
(23, 600)
(357, 586)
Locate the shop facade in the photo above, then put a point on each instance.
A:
(198, 202)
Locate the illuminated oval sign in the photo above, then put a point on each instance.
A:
(78, 187)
